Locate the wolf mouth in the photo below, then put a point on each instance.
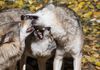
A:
(37, 31)
(30, 29)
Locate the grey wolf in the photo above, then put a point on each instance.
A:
(66, 30)
(39, 44)
(12, 38)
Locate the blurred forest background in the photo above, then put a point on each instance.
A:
(89, 12)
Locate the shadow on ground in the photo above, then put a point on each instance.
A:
(32, 64)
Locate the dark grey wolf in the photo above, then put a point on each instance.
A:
(40, 45)
(66, 30)
(12, 38)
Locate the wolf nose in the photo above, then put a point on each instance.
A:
(22, 17)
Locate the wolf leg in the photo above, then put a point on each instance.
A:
(77, 61)
(58, 59)
(42, 63)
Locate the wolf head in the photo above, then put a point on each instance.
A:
(26, 25)
(41, 32)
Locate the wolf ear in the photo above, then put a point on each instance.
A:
(8, 37)
(22, 17)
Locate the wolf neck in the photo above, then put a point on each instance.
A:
(23, 36)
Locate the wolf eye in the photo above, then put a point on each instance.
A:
(43, 28)
(34, 17)
(30, 17)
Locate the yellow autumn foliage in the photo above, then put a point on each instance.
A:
(89, 12)
(97, 63)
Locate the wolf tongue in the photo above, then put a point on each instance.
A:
(39, 34)
(30, 29)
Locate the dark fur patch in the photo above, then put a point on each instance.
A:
(7, 38)
(22, 17)
(29, 17)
